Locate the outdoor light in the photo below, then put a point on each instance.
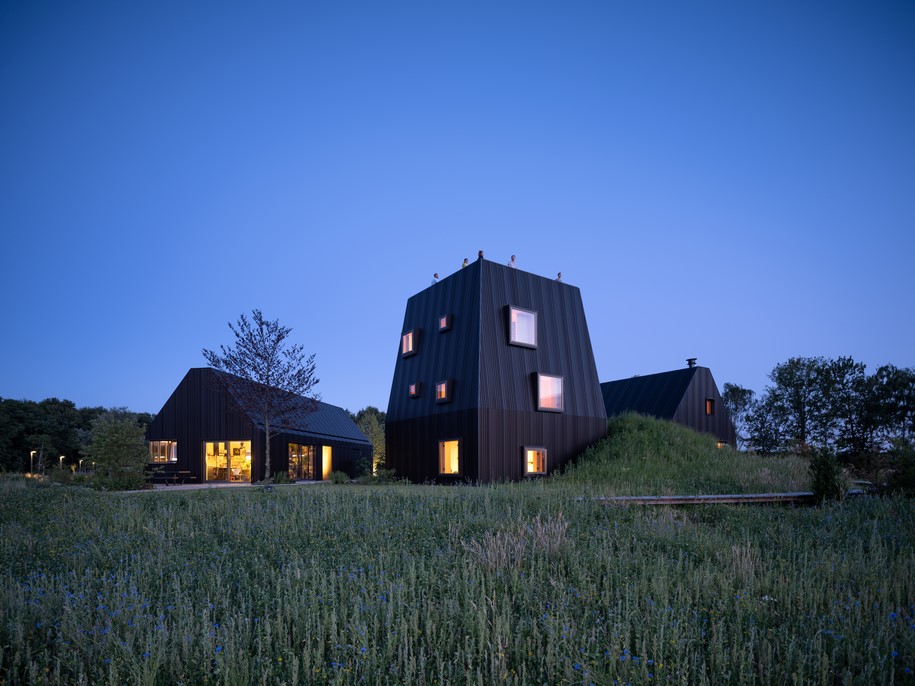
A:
(32, 462)
(61, 461)
(80, 465)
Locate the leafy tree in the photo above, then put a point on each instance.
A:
(894, 391)
(797, 402)
(281, 374)
(117, 446)
(370, 421)
(739, 403)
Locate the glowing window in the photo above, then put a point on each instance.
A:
(444, 322)
(414, 389)
(709, 406)
(522, 327)
(535, 460)
(228, 460)
(163, 451)
(549, 393)
(449, 457)
(408, 343)
(327, 466)
(443, 391)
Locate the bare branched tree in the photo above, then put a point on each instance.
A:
(272, 380)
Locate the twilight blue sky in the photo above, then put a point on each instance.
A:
(730, 181)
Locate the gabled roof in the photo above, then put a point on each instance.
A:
(326, 421)
(657, 395)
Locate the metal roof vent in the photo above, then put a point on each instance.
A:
(691, 362)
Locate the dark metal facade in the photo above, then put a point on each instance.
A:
(493, 405)
(681, 395)
(201, 409)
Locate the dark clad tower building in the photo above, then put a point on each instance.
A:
(494, 380)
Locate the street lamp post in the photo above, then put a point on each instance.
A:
(61, 461)
(32, 461)
(80, 465)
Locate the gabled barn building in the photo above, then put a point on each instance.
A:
(687, 396)
(494, 379)
(203, 434)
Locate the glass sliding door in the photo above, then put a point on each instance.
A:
(228, 461)
(301, 462)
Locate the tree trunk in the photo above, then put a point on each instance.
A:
(267, 451)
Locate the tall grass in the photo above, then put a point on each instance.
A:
(433, 585)
(645, 456)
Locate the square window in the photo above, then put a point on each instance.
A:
(549, 393)
(534, 460)
(522, 327)
(443, 391)
(408, 343)
(413, 389)
(449, 457)
(444, 322)
(709, 406)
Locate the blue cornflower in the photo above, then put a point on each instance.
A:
(218, 649)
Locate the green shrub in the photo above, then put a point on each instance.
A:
(339, 478)
(828, 480)
(901, 478)
(281, 478)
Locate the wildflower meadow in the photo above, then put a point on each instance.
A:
(516, 584)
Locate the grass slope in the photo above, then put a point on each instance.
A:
(646, 456)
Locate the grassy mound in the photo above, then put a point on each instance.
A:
(646, 456)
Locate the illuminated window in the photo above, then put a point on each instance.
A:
(449, 457)
(163, 451)
(709, 406)
(228, 460)
(522, 327)
(327, 467)
(408, 343)
(301, 462)
(444, 322)
(414, 389)
(549, 393)
(443, 391)
(534, 460)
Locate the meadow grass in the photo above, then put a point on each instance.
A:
(646, 456)
(517, 584)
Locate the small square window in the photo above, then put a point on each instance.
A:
(449, 457)
(709, 406)
(522, 327)
(408, 343)
(534, 460)
(444, 323)
(443, 391)
(549, 393)
(413, 389)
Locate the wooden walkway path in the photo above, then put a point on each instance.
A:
(797, 498)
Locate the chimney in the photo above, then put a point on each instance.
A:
(691, 362)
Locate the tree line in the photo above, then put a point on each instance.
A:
(824, 404)
(51, 428)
